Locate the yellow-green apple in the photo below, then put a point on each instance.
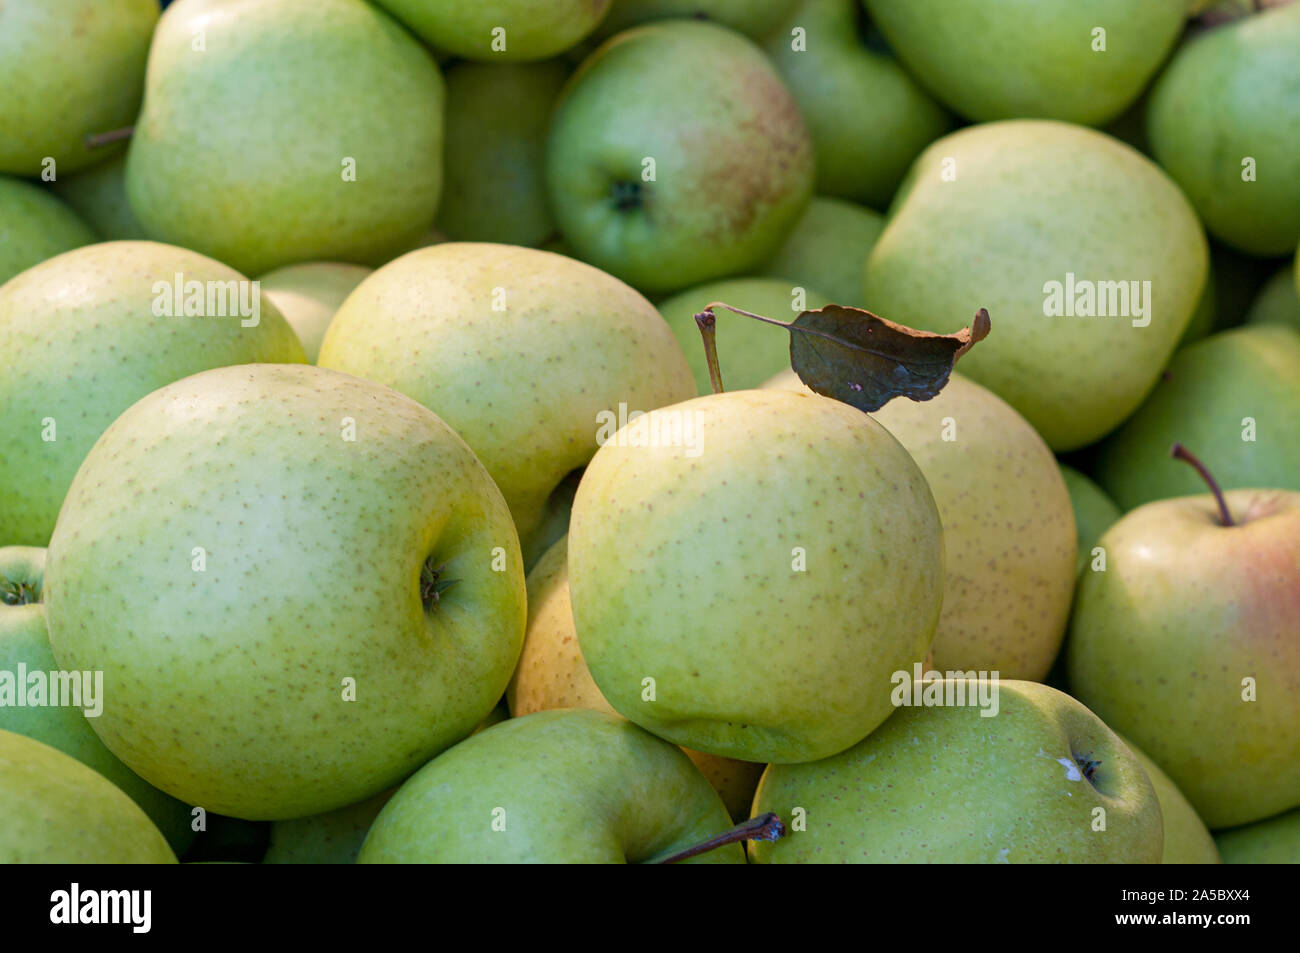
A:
(98, 195)
(527, 354)
(499, 30)
(1086, 254)
(280, 131)
(88, 333)
(34, 226)
(1274, 841)
(1278, 302)
(827, 249)
(309, 294)
(552, 674)
(1094, 513)
(1042, 780)
(69, 69)
(1186, 643)
(749, 569)
(60, 714)
(1224, 120)
(867, 116)
(666, 173)
(497, 116)
(55, 810)
(1051, 59)
(327, 588)
(1233, 398)
(1186, 839)
(331, 838)
(572, 786)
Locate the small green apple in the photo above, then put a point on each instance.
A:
(573, 787)
(1041, 781)
(1094, 513)
(499, 30)
(1224, 121)
(1186, 839)
(326, 588)
(1186, 643)
(55, 810)
(69, 68)
(34, 226)
(749, 569)
(522, 351)
(552, 674)
(867, 116)
(827, 249)
(1234, 398)
(497, 117)
(309, 294)
(1050, 59)
(341, 160)
(1084, 252)
(749, 351)
(331, 838)
(668, 173)
(98, 195)
(91, 331)
(1274, 841)
(1278, 302)
(25, 648)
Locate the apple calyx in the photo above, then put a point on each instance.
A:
(1179, 452)
(1087, 767)
(97, 139)
(766, 827)
(432, 585)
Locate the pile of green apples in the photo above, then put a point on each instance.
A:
(367, 495)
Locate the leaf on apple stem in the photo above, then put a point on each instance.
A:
(857, 357)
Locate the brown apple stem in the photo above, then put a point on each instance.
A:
(95, 140)
(766, 827)
(707, 322)
(1179, 452)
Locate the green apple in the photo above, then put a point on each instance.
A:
(1008, 527)
(1224, 121)
(25, 649)
(328, 588)
(754, 18)
(523, 352)
(55, 810)
(1186, 643)
(867, 116)
(552, 674)
(1278, 302)
(1203, 319)
(1186, 839)
(1234, 399)
(34, 226)
(302, 130)
(499, 30)
(497, 117)
(827, 249)
(69, 68)
(573, 787)
(749, 352)
(1041, 781)
(667, 172)
(1050, 59)
(309, 294)
(91, 331)
(1094, 513)
(748, 570)
(98, 195)
(1274, 841)
(1087, 256)
(331, 838)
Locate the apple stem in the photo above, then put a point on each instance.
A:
(1179, 452)
(766, 827)
(707, 322)
(95, 140)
